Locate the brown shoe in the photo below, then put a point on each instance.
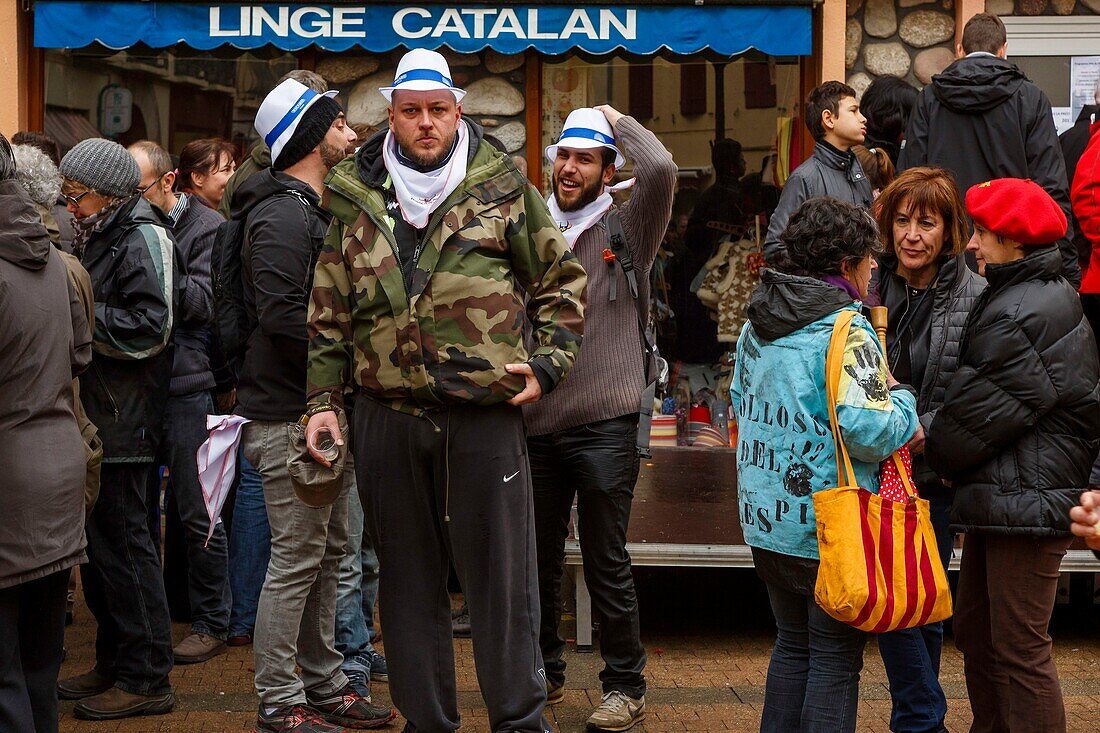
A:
(197, 648)
(116, 703)
(239, 640)
(84, 685)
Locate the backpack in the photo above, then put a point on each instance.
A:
(232, 325)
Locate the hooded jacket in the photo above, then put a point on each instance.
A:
(135, 272)
(982, 119)
(785, 448)
(1020, 424)
(493, 264)
(45, 341)
(195, 231)
(285, 227)
(828, 172)
(1085, 193)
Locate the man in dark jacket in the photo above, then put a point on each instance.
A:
(189, 403)
(285, 226)
(982, 119)
(42, 535)
(1017, 435)
(834, 120)
(131, 259)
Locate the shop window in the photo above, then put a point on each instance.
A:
(693, 89)
(641, 91)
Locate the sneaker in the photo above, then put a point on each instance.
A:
(379, 670)
(293, 718)
(460, 622)
(348, 708)
(555, 692)
(84, 685)
(359, 681)
(115, 704)
(617, 712)
(196, 648)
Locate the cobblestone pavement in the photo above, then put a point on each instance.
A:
(708, 655)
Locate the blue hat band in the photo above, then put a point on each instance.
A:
(422, 75)
(291, 115)
(588, 134)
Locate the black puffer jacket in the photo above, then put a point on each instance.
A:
(1020, 424)
(135, 272)
(982, 119)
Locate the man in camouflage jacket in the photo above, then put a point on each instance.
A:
(440, 257)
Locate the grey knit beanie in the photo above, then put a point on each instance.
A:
(102, 165)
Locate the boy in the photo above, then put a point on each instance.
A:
(834, 120)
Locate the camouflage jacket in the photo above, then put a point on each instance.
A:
(493, 265)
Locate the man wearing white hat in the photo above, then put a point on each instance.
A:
(440, 256)
(284, 226)
(583, 438)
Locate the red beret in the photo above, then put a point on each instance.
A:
(1016, 209)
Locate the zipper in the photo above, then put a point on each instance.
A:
(107, 391)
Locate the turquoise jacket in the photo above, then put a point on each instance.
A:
(785, 449)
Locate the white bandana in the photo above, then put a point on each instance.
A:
(575, 223)
(419, 194)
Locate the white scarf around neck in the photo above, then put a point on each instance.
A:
(419, 194)
(575, 223)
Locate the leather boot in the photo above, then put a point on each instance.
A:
(116, 703)
(84, 685)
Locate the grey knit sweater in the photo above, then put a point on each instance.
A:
(609, 375)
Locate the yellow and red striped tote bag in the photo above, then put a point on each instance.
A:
(880, 569)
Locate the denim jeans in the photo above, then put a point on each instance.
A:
(249, 549)
(912, 656)
(32, 633)
(813, 677)
(298, 600)
(123, 585)
(352, 634)
(207, 567)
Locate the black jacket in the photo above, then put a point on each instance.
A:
(1020, 424)
(284, 237)
(1073, 142)
(135, 273)
(982, 119)
(194, 232)
(955, 291)
(828, 172)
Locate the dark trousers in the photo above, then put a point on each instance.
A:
(455, 488)
(123, 585)
(207, 575)
(32, 632)
(598, 464)
(813, 678)
(1007, 588)
(912, 656)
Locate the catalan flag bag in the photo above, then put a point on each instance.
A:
(880, 569)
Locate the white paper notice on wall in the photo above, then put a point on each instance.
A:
(1084, 72)
(1063, 118)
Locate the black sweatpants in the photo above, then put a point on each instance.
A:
(455, 488)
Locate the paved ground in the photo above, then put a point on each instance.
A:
(708, 638)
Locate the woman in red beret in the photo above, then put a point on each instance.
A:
(1017, 435)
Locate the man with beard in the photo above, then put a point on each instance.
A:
(284, 228)
(582, 438)
(439, 258)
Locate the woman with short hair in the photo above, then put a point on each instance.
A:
(205, 167)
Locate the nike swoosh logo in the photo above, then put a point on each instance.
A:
(509, 478)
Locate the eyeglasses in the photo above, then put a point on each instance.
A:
(157, 180)
(75, 200)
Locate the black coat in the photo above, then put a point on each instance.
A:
(1073, 142)
(136, 280)
(285, 230)
(956, 290)
(982, 119)
(1020, 425)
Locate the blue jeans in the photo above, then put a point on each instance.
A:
(813, 678)
(249, 550)
(352, 632)
(912, 656)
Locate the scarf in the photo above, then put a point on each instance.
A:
(843, 284)
(420, 193)
(573, 224)
(83, 229)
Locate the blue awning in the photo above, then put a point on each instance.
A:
(781, 30)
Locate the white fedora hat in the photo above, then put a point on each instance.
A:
(586, 128)
(282, 110)
(421, 70)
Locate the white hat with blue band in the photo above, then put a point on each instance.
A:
(421, 70)
(281, 111)
(586, 128)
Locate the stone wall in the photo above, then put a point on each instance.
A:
(1043, 7)
(913, 39)
(494, 84)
